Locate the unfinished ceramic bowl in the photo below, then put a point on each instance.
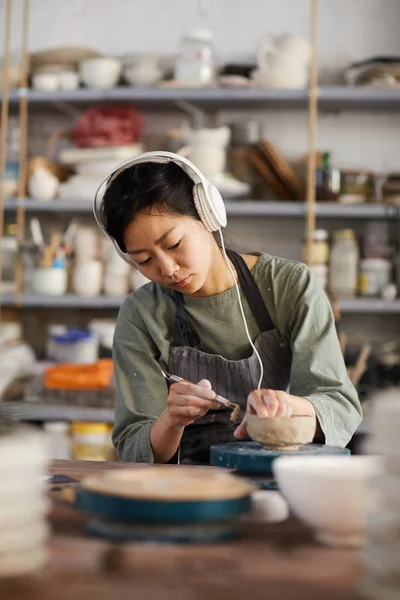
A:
(281, 433)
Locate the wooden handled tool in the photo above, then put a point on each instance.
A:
(219, 399)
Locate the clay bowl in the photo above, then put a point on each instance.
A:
(281, 433)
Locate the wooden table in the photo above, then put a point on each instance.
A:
(274, 562)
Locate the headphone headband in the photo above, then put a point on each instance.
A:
(207, 199)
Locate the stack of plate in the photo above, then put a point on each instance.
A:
(382, 554)
(23, 505)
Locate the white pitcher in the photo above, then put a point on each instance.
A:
(283, 64)
(206, 148)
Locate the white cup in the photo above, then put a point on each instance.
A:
(49, 281)
(87, 278)
(86, 244)
(115, 284)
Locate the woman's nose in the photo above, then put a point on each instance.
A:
(168, 266)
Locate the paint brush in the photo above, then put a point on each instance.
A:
(219, 399)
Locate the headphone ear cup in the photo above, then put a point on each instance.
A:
(199, 204)
(205, 209)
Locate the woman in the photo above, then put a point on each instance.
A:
(162, 215)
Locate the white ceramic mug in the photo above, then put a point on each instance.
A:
(86, 244)
(87, 278)
(49, 281)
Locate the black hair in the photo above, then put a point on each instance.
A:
(143, 188)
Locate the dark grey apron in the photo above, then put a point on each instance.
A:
(233, 379)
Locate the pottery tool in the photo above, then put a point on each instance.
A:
(355, 373)
(219, 399)
(70, 232)
(36, 232)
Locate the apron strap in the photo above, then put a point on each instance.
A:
(252, 292)
(183, 334)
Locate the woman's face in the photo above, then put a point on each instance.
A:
(172, 250)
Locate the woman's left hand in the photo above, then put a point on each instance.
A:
(274, 403)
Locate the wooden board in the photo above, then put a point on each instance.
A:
(283, 170)
(269, 176)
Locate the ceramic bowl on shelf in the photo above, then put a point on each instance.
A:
(100, 73)
(46, 82)
(331, 494)
(280, 432)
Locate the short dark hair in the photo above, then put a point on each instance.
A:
(142, 188)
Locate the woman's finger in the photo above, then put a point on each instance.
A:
(289, 410)
(256, 405)
(192, 389)
(187, 411)
(181, 400)
(241, 431)
(271, 402)
(282, 409)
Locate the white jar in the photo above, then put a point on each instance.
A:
(86, 244)
(344, 264)
(58, 440)
(78, 346)
(375, 275)
(196, 64)
(91, 441)
(319, 248)
(50, 281)
(87, 278)
(321, 271)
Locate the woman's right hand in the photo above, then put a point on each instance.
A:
(188, 401)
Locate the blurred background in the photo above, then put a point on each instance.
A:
(226, 84)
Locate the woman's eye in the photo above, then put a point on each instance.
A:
(175, 246)
(144, 262)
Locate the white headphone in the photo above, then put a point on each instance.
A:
(207, 199)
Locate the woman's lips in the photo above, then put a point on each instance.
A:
(182, 282)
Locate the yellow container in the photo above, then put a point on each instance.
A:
(90, 441)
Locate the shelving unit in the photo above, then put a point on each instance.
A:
(65, 301)
(356, 305)
(244, 208)
(24, 411)
(329, 97)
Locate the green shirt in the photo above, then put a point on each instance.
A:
(300, 310)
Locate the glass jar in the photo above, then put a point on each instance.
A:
(58, 440)
(196, 63)
(90, 441)
(343, 274)
(319, 248)
(356, 187)
(375, 275)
